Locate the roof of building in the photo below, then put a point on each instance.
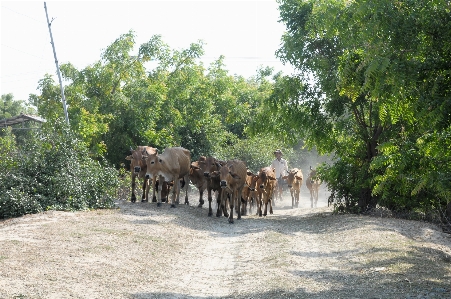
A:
(20, 119)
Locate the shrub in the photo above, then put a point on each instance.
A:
(55, 171)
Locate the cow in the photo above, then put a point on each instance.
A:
(208, 166)
(312, 183)
(172, 165)
(249, 194)
(197, 178)
(232, 179)
(267, 184)
(294, 181)
(138, 168)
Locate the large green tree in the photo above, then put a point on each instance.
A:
(372, 88)
(150, 94)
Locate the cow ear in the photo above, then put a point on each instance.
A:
(285, 177)
(214, 174)
(128, 158)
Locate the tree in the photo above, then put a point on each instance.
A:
(373, 76)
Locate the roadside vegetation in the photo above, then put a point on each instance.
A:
(370, 104)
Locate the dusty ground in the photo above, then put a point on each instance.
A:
(141, 251)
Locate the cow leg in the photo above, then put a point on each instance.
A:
(147, 189)
(270, 204)
(265, 201)
(244, 206)
(297, 198)
(311, 198)
(186, 185)
(210, 199)
(154, 188)
(175, 191)
(133, 198)
(145, 196)
(259, 206)
(201, 200)
(239, 203)
(219, 202)
(159, 189)
(231, 202)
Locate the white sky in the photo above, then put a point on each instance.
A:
(247, 33)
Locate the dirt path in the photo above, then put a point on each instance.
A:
(141, 251)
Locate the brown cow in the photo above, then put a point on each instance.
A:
(250, 194)
(172, 165)
(233, 177)
(313, 184)
(208, 166)
(266, 186)
(138, 168)
(197, 178)
(294, 180)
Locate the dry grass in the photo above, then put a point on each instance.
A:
(141, 251)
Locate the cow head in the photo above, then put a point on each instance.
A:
(209, 165)
(151, 160)
(266, 174)
(226, 175)
(312, 177)
(294, 176)
(136, 162)
(251, 180)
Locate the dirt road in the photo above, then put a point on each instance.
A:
(141, 251)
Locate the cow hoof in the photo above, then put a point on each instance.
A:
(210, 214)
(218, 215)
(172, 205)
(230, 221)
(201, 202)
(144, 200)
(264, 214)
(158, 204)
(187, 203)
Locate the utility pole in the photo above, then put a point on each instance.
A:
(57, 66)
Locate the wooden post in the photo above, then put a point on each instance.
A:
(57, 66)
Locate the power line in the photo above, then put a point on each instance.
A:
(19, 13)
(23, 51)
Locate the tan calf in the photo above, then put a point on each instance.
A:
(232, 179)
(266, 186)
(312, 183)
(294, 180)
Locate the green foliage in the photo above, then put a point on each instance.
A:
(53, 171)
(374, 90)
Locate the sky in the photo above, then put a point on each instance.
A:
(247, 33)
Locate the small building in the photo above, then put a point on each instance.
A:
(21, 119)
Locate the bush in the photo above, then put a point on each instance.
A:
(55, 171)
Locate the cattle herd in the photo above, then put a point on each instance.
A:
(234, 185)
